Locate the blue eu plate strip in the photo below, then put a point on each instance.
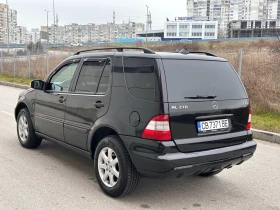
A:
(198, 126)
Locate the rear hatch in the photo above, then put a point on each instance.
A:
(208, 105)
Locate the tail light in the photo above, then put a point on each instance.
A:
(158, 129)
(248, 127)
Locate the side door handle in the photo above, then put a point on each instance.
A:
(99, 104)
(62, 99)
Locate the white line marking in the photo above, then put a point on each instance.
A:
(7, 113)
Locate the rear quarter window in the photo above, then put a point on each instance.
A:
(141, 76)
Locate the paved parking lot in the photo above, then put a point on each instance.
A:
(52, 177)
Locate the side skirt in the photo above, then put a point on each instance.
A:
(68, 146)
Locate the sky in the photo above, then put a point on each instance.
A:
(31, 13)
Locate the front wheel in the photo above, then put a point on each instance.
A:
(114, 170)
(25, 131)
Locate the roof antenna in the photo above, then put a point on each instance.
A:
(184, 51)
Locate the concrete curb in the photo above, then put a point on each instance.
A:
(266, 136)
(258, 134)
(14, 85)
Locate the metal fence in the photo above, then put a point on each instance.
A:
(39, 63)
(30, 63)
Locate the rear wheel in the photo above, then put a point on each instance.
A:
(25, 131)
(114, 170)
(211, 173)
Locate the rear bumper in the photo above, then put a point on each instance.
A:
(154, 159)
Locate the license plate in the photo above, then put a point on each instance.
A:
(213, 125)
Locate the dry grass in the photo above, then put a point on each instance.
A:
(261, 77)
(38, 66)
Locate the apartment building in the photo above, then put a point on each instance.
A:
(177, 30)
(12, 17)
(93, 32)
(225, 11)
(34, 35)
(22, 36)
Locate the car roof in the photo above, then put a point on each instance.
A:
(156, 55)
(190, 56)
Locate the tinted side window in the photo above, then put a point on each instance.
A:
(142, 78)
(90, 75)
(61, 81)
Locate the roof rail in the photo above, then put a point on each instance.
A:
(206, 53)
(186, 51)
(119, 49)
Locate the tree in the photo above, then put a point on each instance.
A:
(221, 33)
(30, 46)
(39, 45)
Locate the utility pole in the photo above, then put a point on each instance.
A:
(47, 26)
(147, 23)
(53, 23)
(150, 20)
(56, 25)
(114, 24)
(8, 28)
(129, 28)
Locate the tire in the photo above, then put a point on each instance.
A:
(128, 178)
(211, 173)
(27, 139)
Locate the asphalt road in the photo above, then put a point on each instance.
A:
(52, 177)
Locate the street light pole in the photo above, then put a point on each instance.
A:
(53, 24)
(8, 28)
(47, 26)
(147, 24)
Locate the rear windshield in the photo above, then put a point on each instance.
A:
(191, 78)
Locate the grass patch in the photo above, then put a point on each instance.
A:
(266, 121)
(18, 80)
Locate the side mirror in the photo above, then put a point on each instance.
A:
(37, 84)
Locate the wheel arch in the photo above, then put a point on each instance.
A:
(20, 106)
(98, 134)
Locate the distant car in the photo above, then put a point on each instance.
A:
(76, 44)
(186, 40)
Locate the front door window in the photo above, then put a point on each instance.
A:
(61, 81)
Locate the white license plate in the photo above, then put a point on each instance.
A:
(213, 125)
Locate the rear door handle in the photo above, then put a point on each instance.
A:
(99, 104)
(62, 99)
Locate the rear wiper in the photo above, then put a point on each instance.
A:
(201, 97)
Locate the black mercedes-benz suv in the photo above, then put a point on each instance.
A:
(141, 113)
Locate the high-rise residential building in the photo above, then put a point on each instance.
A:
(93, 32)
(12, 17)
(34, 35)
(21, 35)
(225, 11)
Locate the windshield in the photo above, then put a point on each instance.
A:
(191, 79)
